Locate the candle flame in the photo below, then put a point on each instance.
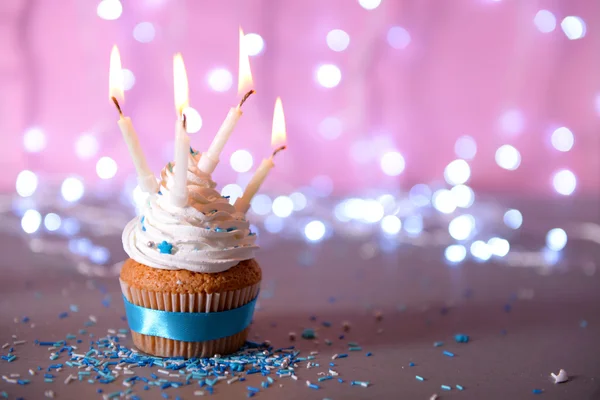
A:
(244, 74)
(278, 136)
(180, 82)
(115, 76)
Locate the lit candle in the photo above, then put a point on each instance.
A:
(145, 177)
(278, 142)
(210, 158)
(179, 193)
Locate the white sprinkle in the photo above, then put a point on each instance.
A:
(235, 378)
(364, 384)
(128, 372)
(162, 371)
(5, 345)
(321, 373)
(118, 367)
(333, 373)
(219, 378)
(294, 377)
(69, 379)
(121, 335)
(127, 384)
(434, 396)
(51, 348)
(308, 383)
(77, 355)
(314, 353)
(93, 318)
(14, 336)
(560, 377)
(179, 282)
(58, 369)
(74, 347)
(31, 372)
(174, 375)
(10, 380)
(33, 326)
(112, 331)
(49, 393)
(15, 375)
(335, 356)
(20, 341)
(198, 393)
(16, 320)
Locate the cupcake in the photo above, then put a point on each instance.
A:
(191, 281)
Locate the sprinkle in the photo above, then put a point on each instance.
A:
(411, 364)
(19, 342)
(63, 315)
(537, 391)
(326, 324)
(313, 386)
(447, 353)
(438, 344)
(198, 393)
(419, 378)
(325, 378)
(378, 315)
(49, 393)
(459, 387)
(461, 338)
(560, 377)
(31, 372)
(583, 323)
(292, 336)
(74, 308)
(333, 373)
(356, 348)
(253, 389)
(308, 333)
(359, 383)
(162, 371)
(5, 345)
(346, 326)
(446, 387)
(369, 354)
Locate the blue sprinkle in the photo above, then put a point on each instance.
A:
(326, 324)
(270, 380)
(369, 354)
(447, 353)
(253, 389)
(313, 386)
(438, 344)
(99, 391)
(63, 315)
(164, 395)
(446, 387)
(583, 323)
(342, 355)
(220, 230)
(25, 320)
(308, 333)
(419, 378)
(164, 247)
(459, 387)
(536, 391)
(412, 364)
(461, 338)
(341, 337)
(332, 364)
(231, 229)
(160, 193)
(250, 394)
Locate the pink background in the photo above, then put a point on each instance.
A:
(468, 62)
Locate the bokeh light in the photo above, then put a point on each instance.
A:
(413, 225)
(330, 128)
(283, 206)
(27, 183)
(513, 219)
(31, 221)
(562, 139)
(144, 32)
(328, 75)
(369, 4)
(254, 44)
(420, 195)
(274, 224)
(314, 231)
(545, 21)
(498, 246)
(398, 37)
(99, 255)
(106, 168)
(338, 40)
(299, 201)
(480, 250)
(220, 79)
(241, 161)
(109, 9)
(508, 157)
(573, 27)
(391, 224)
(392, 163)
(556, 239)
(86, 146)
(72, 189)
(34, 140)
(232, 190)
(512, 122)
(457, 172)
(455, 253)
(323, 185)
(128, 79)
(193, 120)
(462, 227)
(464, 196)
(444, 201)
(564, 182)
(465, 147)
(52, 222)
(261, 204)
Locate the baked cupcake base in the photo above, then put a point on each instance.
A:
(185, 291)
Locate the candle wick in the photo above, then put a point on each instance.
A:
(114, 99)
(250, 93)
(184, 121)
(277, 150)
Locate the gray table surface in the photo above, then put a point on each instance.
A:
(422, 300)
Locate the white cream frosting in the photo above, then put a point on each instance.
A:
(207, 235)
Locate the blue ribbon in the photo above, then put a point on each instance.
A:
(186, 326)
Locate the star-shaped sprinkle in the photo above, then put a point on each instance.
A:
(142, 221)
(165, 247)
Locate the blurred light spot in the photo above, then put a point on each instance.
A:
(52, 222)
(144, 32)
(513, 219)
(398, 37)
(72, 189)
(241, 161)
(253, 44)
(457, 172)
(339, 211)
(551, 257)
(498, 246)
(462, 227)
(109, 9)
(31, 221)
(34, 140)
(361, 151)
(444, 201)
(106, 168)
(139, 197)
(455, 253)
(372, 212)
(193, 120)
(323, 185)
(220, 79)
(273, 224)
(392, 163)
(556, 239)
(329, 75)
(369, 4)
(413, 225)
(465, 147)
(508, 157)
(299, 201)
(86, 146)
(314, 231)
(351, 209)
(573, 27)
(283, 206)
(27, 183)
(80, 246)
(597, 104)
(420, 195)
(261, 204)
(464, 197)
(512, 122)
(233, 191)
(388, 203)
(71, 226)
(128, 79)
(330, 128)
(338, 40)
(564, 182)
(480, 250)
(545, 21)
(562, 139)
(391, 224)
(99, 255)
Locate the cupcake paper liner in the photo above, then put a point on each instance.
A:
(194, 302)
